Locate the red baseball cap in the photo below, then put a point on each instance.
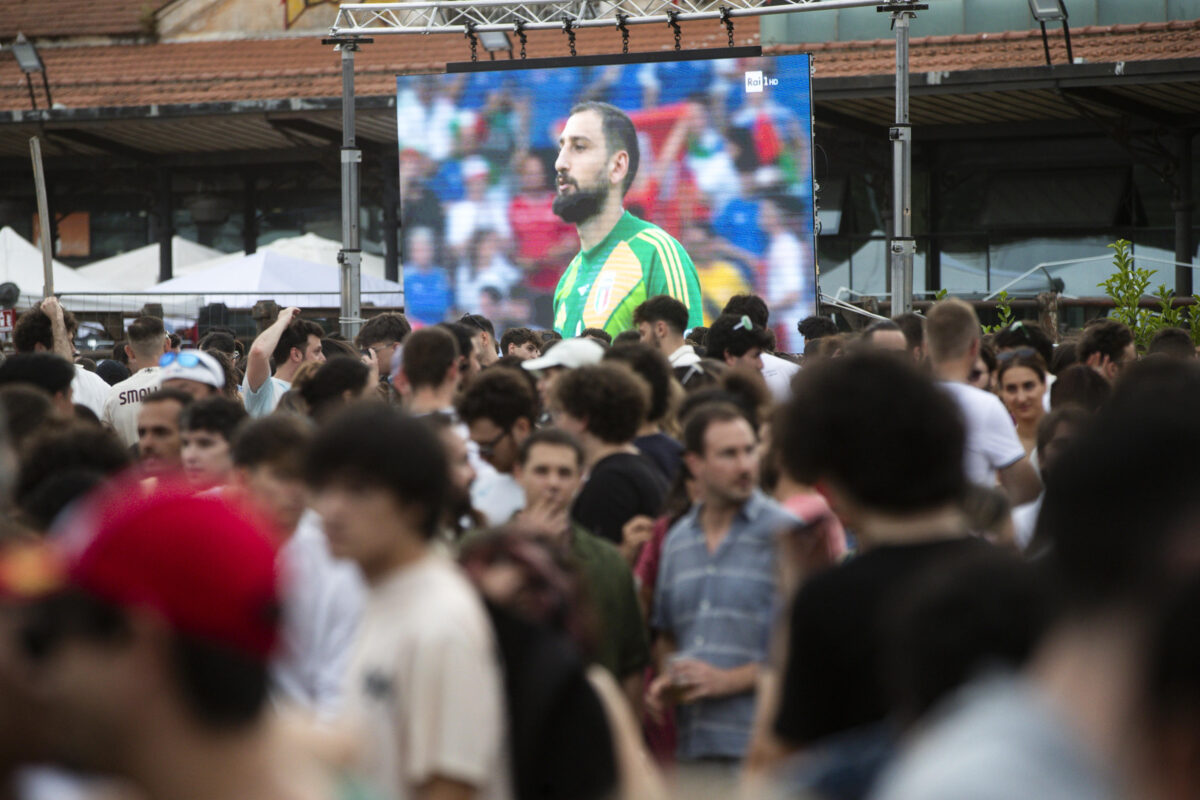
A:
(204, 562)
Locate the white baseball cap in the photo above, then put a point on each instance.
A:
(569, 353)
(192, 365)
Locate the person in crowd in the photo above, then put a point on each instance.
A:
(993, 451)
(159, 431)
(652, 441)
(49, 372)
(153, 649)
(714, 630)
(1021, 378)
(427, 292)
(1079, 385)
(1021, 337)
(661, 322)
(337, 383)
(789, 268)
(147, 342)
(813, 329)
(207, 431)
(604, 406)
(598, 335)
(737, 341)
(549, 469)
(1067, 725)
(193, 371)
(289, 342)
(554, 362)
(838, 434)
(520, 342)
(322, 596)
(429, 369)
(51, 328)
(1107, 346)
(622, 259)
(884, 335)
(468, 349)
(485, 274)
(483, 335)
(1173, 342)
(777, 372)
(60, 465)
(112, 372)
(379, 482)
(913, 327)
(458, 515)
(477, 212)
(983, 374)
(382, 334)
(1054, 432)
(544, 242)
(499, 409)
(222, 340)
(27, 410)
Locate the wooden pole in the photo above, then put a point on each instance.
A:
(39, 179)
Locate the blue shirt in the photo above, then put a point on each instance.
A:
(718, 608)
(427, 294)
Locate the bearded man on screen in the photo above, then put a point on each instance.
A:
(622, 260)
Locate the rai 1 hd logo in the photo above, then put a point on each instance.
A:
(755, 81)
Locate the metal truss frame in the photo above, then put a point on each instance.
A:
(357, 21)
(481, 16)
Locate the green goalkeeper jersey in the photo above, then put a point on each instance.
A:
(604, 284)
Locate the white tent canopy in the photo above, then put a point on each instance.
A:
(243, 280)
(319, 250)
(21, 263)
(134, 270)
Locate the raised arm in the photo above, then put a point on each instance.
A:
(258, 362)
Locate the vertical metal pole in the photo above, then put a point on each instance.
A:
(1183, 206)
(903, 247)
(166, 228)
(350, 256)
(249, 212)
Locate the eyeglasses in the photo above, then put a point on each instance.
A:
(186, 359)
(486, 449)
(1020, 352)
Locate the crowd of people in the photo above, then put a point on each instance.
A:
(915, 561)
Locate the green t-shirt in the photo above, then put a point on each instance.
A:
(608, 582)
(636, 260)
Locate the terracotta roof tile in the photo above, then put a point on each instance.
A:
(280, 68)
(43, 19)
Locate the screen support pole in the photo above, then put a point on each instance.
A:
(903, 246)
(350, 256)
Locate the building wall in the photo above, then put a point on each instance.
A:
(191, 19)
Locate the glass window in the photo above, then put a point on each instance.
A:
(1010, 258)
(869, 266)
(964, 266)
(833, 254)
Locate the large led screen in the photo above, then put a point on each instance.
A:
(677, 174)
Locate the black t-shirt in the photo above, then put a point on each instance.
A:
(834, 678)
(620, 487)
(665, 452)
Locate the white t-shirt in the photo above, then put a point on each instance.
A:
(89, 389)
(992, 442)
(685, 356)
(323, 599)
(125, 401)
(425, 683)
(778, 372)
(786, 275)
(497, 496)
(262, 402)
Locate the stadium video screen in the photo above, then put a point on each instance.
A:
(517, 209)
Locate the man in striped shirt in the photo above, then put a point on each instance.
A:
(622, 260)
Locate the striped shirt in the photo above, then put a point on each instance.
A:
(718, 607)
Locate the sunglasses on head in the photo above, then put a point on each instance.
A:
(1020, 352)
(187, 358)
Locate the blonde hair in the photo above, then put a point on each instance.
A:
(950, 327)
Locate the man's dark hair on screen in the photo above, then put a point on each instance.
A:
(619, 134)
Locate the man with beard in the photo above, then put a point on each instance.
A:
(715, 595)
(622, 260)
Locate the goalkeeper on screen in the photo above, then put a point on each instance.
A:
(622, 260)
